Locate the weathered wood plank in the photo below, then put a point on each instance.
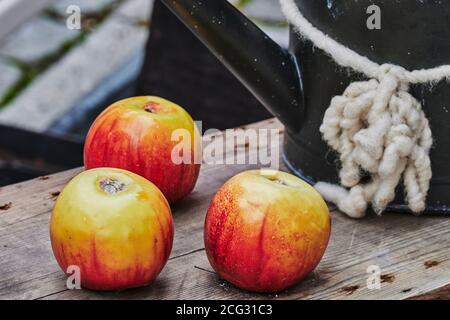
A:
(412, 252)
(341, 274)
(438, 294)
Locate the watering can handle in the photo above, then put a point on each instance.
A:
(269, 71)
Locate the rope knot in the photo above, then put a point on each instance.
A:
(393, 73)
(379, 130)
(377, 127)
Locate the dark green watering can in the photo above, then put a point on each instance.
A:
(296, 85)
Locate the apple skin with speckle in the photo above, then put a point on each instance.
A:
(141, 135)
(266, 230)
(114, 226)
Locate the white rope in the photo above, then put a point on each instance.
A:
(351, 59)
(376, 126)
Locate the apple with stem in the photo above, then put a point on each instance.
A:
(151, 137)
(265, 230)
(115, 226)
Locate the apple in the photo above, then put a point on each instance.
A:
(265, 230)
(137, 134)
(115, 226)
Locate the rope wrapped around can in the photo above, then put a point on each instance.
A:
(377, 127)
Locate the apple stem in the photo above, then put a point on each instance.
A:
(112, 186)
(151, 107)
(278, 181)
(274, 179)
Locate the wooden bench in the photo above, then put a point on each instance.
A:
(412, 252)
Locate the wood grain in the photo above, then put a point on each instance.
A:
(412, 252)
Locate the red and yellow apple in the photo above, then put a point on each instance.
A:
(266, 230)
(142, 135)
(115, 226)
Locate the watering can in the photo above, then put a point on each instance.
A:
(297, 84)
